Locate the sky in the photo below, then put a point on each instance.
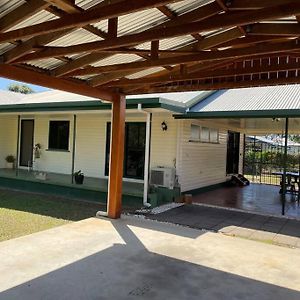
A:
(4, 83)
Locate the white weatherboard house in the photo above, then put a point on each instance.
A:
(195, 135)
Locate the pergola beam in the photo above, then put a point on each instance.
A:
(222, 21)
(209, 74)
(82, 19)
(200, 13)
(275, 29)
(254, 4)
(201, 57)
(21, 74)
(216, 85)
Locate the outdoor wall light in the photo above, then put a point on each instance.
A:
(164, 126)
(276, 119)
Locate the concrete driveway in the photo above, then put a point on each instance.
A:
(133, 258)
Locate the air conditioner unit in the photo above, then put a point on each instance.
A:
(164, 177)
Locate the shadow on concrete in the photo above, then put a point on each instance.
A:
(130, 271)
(216, 219)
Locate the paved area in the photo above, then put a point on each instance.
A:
(277, 230)
(261, 198)
(133, 258)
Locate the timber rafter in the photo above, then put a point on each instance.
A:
(221, 44)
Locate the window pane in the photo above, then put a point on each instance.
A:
(204, 134)
(214, 135)
(59, 135)
(195, 132)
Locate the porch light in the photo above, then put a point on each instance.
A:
(275, 119)
(164, 126)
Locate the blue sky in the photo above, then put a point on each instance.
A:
(4, 83)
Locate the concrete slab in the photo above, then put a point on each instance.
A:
(286, 240)
(235, 223)
(133, 258)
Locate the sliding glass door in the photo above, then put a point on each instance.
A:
(134, 152)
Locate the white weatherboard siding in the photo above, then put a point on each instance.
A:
(200, 164)
(52, 161)
(8, 137)
(90, 144)
(163, 143)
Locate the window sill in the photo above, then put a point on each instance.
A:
(203, 142)
(57, 150)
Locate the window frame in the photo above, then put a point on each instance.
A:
(197, 137)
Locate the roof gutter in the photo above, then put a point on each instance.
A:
(283, 113)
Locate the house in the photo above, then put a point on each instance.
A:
(198, 135)
(277, 142)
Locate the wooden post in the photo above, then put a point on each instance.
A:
(116, 157)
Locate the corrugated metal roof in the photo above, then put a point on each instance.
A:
(52, 96)
(6, 6)
(135, 22)
(40, 17)
(185, 99)
(5, 47)
(47, 64)
(7, 97)
(127, 24)
(186, 6)
(78, 36)
(285, 97)
(86, 4)
(117, 59)
(144, 73)
(169, 44)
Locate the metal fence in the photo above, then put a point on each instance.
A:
(263, 159)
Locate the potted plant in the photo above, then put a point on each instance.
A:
(37, 150)
(10, 161)
(79, 177)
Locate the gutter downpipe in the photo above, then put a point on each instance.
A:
(147, 154)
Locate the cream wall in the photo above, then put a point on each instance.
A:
(8, 137)
(163, 143)
(200, 164)
(51, 160)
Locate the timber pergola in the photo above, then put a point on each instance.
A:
(108, 49)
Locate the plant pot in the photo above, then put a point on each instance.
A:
(9, 165)
(79, 179)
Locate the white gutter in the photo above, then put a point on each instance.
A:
(147, 155)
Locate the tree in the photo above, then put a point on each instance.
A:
(20, 88)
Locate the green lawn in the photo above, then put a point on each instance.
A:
(25, 213)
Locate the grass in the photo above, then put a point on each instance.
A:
(25, 213)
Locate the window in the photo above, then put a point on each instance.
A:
(204, 134)
(59, 135)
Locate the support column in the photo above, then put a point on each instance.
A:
(284, 166)
(18, 145)
(73, 148)
(116, 157)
